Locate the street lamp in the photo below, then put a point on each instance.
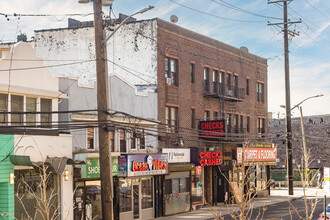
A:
(303, 131)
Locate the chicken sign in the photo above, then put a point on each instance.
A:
(257, 154)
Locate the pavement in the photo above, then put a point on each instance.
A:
(276, 196)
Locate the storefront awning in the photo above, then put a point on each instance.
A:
(55, 164)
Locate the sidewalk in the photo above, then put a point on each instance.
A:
(277, 196)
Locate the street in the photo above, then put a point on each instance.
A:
(281, 211)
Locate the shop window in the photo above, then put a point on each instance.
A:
(172, 119)
(176, 185)
(260, 92)
(183, 185)
(122, 143)
(90, 138)
(197, 186)
(3, 108)
(31, 106)
(125, 195)
(46, 106)
(16, 106)
(171, 71)
(147, 193)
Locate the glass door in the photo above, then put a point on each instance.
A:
(136, 201)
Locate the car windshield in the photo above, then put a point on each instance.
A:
(328, 209)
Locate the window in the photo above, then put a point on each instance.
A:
(147, 193)
(206, 79)
(247, 87)
(192, 73)
(90, 138)
(215, 81)
(171, 71)
(229, 81)
(172, 119)
(207, 115)
(31, 106)
(261, 125)
(16, 106)
(176, 185)
(215, 115)
(248, 123)
(3, 108)
(133, 140)
(142, 140)
(122, 142)
(241, 123)
(46, 106)
(112, 141)
(193, 124)
(236, 123)
(228, 123)
(260, 92)
(125, 195)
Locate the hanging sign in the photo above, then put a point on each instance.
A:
(210, 158)
(214, 128)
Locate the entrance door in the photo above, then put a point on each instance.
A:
(221, 187)
(136, 201)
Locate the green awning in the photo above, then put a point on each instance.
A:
(20, 160)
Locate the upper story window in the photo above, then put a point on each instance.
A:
(206, 79)
(46, 106)
(193, 123)
(172, 119)
(122, 140)
(22, 103)
(16, 106)
(241, 123)
(248, 123)
(3, 108)
(261, 125)
(215, 115)
(192, 73)
(90, 138)
(207, 115)
(247, 88)
(260, 92)
(171, 71)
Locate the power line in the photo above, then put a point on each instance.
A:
(228, 5)
(324, 15)
(216, 16)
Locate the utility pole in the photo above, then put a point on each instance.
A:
(287, 90)
(104, 147)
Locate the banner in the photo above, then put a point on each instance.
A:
(257, 154)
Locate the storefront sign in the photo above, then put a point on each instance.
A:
(93, 167)
(177, 155)
(257, 154)
(141, 165)
(214, 128)
(210, 158)
(326, 181)
(122, 165)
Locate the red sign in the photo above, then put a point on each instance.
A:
(212, 128)
(144, 166)
(262, 155)
(210, 158)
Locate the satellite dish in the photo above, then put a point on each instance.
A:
(174, 19)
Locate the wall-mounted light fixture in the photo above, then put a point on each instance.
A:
(66, 175)
(11, 178)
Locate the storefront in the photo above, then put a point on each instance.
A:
(256, 159)
(139, 191)
(87, 197)
(178, 184)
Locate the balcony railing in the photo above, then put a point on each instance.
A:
(221, 90)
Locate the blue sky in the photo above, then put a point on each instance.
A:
(309, 52)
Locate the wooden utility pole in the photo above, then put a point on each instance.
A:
(104, 148)
(287, 91)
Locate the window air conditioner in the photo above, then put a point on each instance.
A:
(230, 92)
(168, 81)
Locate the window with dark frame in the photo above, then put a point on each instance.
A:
(247, 86)
(172, 119)
(207, 115)
(248, 123)
(206, 79)
(260, 92)
(192, 73)
(171, 71)
(215, 115)
(241, 124)
(261, 125)
(215, 81)
(122, 142)
(228, 122)
(90, 138)
(133, 140)
(193, 124)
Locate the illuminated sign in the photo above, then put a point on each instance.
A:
(258, 154)
(214, 128)
(141, 165)
(210, 158)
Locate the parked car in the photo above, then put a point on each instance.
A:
(321, 215)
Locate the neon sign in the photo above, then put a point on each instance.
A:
(214, 128)
(210, 158)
